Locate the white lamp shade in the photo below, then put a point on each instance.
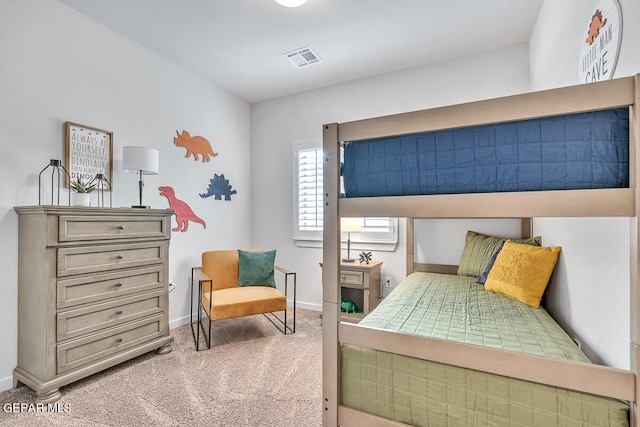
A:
(140, 159)
(352, 225)
(291, 3)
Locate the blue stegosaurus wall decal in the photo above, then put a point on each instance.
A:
(218, 187)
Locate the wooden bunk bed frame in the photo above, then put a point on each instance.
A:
(618, 202)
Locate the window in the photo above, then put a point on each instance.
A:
(377, 233)
(308, 186)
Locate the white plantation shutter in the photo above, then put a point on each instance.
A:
(377, 233)
(310, 189)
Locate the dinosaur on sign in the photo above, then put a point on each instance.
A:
(594, 27)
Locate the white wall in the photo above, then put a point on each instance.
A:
(589, 292)
(57, 65)
(442, 241)
(278, 125)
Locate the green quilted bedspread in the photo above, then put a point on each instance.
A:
(424, 393)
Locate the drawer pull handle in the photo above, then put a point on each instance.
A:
(119, 340)
(121, 227)
(118, 313)
(118, 285)
(120, 256)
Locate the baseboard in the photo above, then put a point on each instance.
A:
(6, 383)
(181, 321)
(309, 306)
(175, 323)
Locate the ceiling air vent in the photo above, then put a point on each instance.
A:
(303, 57)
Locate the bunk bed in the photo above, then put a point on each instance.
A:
(613, 194)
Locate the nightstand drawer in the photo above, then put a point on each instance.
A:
(75, 353)
(91, 259)
(99, 287)
(73, 323)
(348, 277)
(77, 228)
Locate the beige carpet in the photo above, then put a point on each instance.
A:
(252, 376)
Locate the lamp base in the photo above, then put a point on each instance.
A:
(141, 207)
(348, 258)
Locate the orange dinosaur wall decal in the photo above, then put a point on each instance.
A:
(594, 27)
(195, 145)
(183, 211)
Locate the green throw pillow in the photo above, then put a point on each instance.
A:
(256, 268)
(479, 248)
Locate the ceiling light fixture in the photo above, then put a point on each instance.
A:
(291, 3)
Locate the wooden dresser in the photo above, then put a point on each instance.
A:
(92, 291)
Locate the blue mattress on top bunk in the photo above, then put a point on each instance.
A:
(575, 151)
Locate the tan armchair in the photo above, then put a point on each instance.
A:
(220, 296)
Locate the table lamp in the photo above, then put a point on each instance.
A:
(350, 225)
(143, 161)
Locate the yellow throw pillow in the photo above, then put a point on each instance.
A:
(521, 272)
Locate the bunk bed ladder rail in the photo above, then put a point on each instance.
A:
(634, 182)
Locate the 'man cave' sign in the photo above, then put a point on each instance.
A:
(601, 43)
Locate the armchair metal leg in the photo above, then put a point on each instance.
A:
(284, 321)
(195, 338)
(200, 308)
(295, 279)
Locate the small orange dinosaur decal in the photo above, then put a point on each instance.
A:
(183, 211)
(195, 145)
(594, 27)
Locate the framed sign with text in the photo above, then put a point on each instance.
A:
(601, 41)
(89, 152)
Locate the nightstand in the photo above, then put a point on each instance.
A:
(360, 283)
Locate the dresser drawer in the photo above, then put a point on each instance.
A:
(82, 351)
(349, 277)
(76, 322)
(99, 287)
(78, 228)
(90, 259)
